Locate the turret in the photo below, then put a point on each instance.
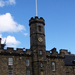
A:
(37, 34)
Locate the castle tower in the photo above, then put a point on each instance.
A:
(37, 45)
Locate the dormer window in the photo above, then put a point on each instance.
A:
(39, 27)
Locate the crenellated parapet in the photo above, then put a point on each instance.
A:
(36, 20)
(18, 51)
(65, 51)
(53, 53)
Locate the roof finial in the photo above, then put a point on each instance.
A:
(36, 6)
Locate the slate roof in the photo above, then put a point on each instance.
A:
(69, 60)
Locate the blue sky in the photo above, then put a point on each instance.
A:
(59, 18)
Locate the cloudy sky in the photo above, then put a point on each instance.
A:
(59, 18)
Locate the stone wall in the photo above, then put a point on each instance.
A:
(19, 61)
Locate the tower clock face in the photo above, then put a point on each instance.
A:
(40, 39)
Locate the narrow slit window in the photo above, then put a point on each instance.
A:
(39, 28)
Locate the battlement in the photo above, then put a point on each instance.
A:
(18, 51)
(54, 53)
(65, 51)
(36, 20)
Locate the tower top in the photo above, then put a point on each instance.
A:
(36, 20)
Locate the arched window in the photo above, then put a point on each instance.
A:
(53, 66)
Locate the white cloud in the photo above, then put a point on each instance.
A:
(10, 41)
(2, 3)
(25, 34)
(7, 2)
(11, 2)
(7, 24)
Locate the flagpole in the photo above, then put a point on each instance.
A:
(36, 7)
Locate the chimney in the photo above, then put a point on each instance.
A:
(0, 42)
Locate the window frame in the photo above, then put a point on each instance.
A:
(40, 52)
(53, 66)
(41, 64)
(39, 28)
(27, 62)
(10, 72)
(67, 73)
(10, 61)
(27, 72)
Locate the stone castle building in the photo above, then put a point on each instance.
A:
(36, 60)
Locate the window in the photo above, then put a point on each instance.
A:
(40, 52)
(39, 28)
(41, 65)
(27, 72)
(67, 73)
(10, 61)
(10, 72)
(27, 62)
(53, 66)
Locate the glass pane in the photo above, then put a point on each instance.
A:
(10, 72)
(41, 65)
(27, 72)
(41, 52)
(10, 61)
(27, 62)
(53, 66)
